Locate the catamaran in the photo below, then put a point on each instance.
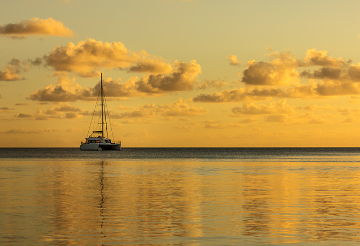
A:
(97, 139)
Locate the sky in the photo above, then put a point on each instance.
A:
(181, 73)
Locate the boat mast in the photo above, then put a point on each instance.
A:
(102, 109)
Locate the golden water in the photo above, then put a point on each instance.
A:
(46, 202)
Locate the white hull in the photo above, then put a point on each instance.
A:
(100, 146)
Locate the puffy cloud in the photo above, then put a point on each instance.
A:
(272, 108)
(182, 79)
(86, 56)
(279, 71)
(36, 26)
(233, 61)
(12, 70)
(65, 90)
(320, 58)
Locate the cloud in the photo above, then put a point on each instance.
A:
(354, 72)
(272, 108)
(281, 70)
(5, 109)
(322, 89)
(12, 70)
(36, 27)
(175, 109)
(295, 119)
(241, 95)
(218, 84)
(233, 61)
(21, 115)
(314, 107)
(323, 73)
(87, 56)
(320, 58)
(349, 120)
(278, 118)
(181, 108)
(64, 111)
(60, 110)
(343, 111)
(66, 90)
(24, 131)
(153, 65)
(311, 119)
(183, 78)
(211, 124)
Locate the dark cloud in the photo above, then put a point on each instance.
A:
(323, 73)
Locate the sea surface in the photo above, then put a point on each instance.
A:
(180, 196)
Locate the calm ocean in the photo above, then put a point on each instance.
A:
(180, 196)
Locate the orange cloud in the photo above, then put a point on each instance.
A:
(24, 131)
(6, 110)
(182, 79)
(176, 109)
(12, 70)
(320, 58)
(296, 119)
(233, 61)
(272, 108)
(218, 84)
(279, 71)
(211, 124)
(64, 111)
(87, 56)
(241, 95)
(36, 26)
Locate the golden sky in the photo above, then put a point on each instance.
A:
(200, 73)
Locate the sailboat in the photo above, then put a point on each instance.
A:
(97, 139)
